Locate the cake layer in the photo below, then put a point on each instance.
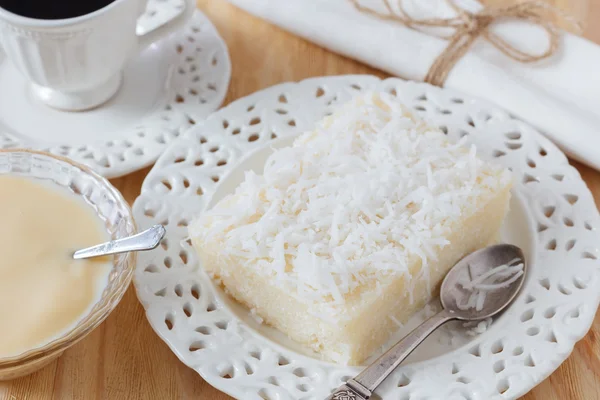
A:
(352, 227)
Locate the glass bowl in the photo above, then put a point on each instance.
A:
(116, 214)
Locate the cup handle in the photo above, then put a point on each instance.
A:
(168, 27)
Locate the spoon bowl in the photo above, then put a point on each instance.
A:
(481, 263)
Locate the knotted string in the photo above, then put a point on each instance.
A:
(468, 26)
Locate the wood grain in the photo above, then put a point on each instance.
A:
(124, 359)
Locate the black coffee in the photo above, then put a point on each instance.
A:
(53, 9)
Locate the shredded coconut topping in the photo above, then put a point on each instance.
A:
(496, 278)
(360, 198)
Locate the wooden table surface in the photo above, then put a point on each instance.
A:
(125, 359)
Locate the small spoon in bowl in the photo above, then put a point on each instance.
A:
(146, 240)
(461, 299)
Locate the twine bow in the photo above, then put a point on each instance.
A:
(468, 26)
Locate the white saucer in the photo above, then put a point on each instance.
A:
(165, 90)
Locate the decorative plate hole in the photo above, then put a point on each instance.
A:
(220, 163)
(203, 140)
(570, 244)
(225, 124)
(195, 291)
(568, 222)
(541, 227)
(188, 309)
(469, 121)
(529, 361)
(543, 152)
(248, 369)
(181, 223)
(531, 163)
(273, 136)
(527, 315)
(444, 129)
(475, 351)
(236, 131)
(282, 361)
(588, 255)
(203, 330)
(222, 325)
(138, 152)
(564, 290)
(393, 92)
(300, 372)
(551, 337)
(197, 345)
(320, 92)
(256, 354)
(167, 184)
(497, 347)
(273, 381)
(282, 98)
(455, 369)
(462, 133)
(303, 387)
(151, 269)
(355, 86)
(574, 313)
(214, 149)
(545, 283)
(550, 313)
(457, 101)
(199, 191)
(444, 111)
(178, 290)
(533, 331)
(499, 366)
(528, 179)
(498, 153)
(558, 177)
(211, 307)
(403, 381)
(422, 97)
(513, 146)
(215, 179)
(463, 379)
(579, 283)
(227, 373)
(549, 211)
(186, 183)
(168, 262)
(199, 162)
(253, 138)
(513, 135)
(169, 321)
(292, 122)
(161, 293)
(517, 351)
(179, 99)
(551, 245)
(420, 108)
(183, 256)
(529, 299)
(503, 386)
(588, 226)
(571, 198)
(254, 121)
(214, 62)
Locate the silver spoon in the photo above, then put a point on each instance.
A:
(146, 240)
(362, 386)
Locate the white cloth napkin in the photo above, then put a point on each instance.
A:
(560, 95)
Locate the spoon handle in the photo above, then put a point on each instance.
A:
(146, 240)
(362, 386)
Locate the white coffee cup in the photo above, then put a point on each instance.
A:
(76, 63)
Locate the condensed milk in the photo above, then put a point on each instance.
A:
(43, 291)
